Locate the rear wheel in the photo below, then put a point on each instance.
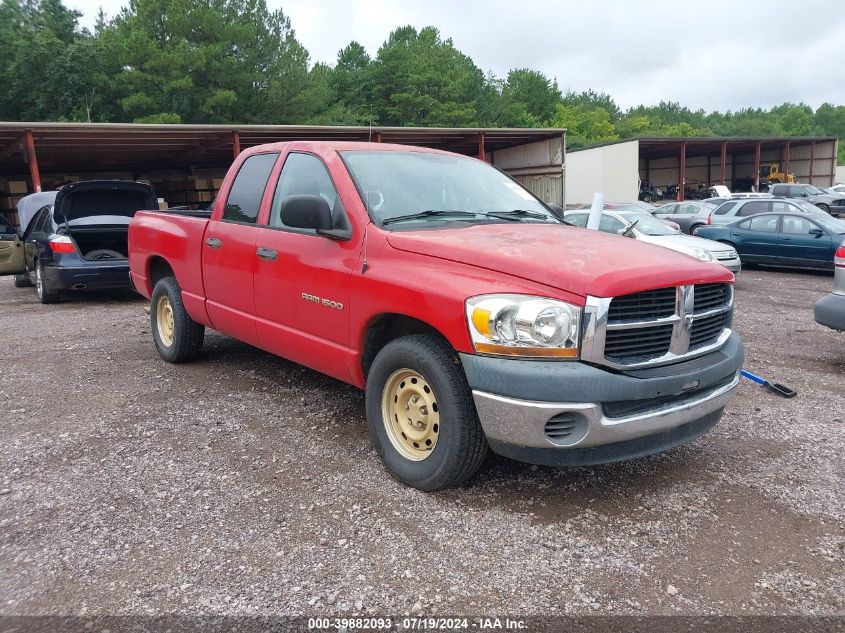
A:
(421, 415)
(44, 295)
(694, 229)
(22, 281)
(177, 336)
(824, 207)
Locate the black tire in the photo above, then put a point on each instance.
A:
(461, 446)
(647, 199)
(104, 254)
(694, 228)
(187, 336)
(44, 295)
(22, 281)
(824, 208)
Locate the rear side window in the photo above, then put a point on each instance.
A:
(578, 219)
(724, 208)
(779, 190)
(754, 207)
(764, 223)
(668, 209)
(245, 196)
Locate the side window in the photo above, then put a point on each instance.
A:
(245, 196)
(668, 209)
(725, 208)
(578, 219)
(754, 207)
(303, 174)
(796, 192)
(779, 190)
(610, 224)
(780, 206)
(37, 223)
(764, 223)
(794, 225)
(745, 224)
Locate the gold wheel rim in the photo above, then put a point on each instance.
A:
(411, 414)
(164, 320)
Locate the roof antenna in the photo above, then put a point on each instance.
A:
(365, 265)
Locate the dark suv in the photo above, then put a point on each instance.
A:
(833, 204)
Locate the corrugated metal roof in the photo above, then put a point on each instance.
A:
(140, 147)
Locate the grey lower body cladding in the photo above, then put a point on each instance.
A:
(573, 413)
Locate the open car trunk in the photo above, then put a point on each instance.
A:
(96, 214)
(100, 242)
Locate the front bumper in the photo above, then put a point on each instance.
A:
(830, 311)
(92, 277)
(574, 413)
(733, 265)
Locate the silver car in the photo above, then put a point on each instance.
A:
(831, 203)
(644, 227)
(731, 210)
(685, 214)
(830, 309)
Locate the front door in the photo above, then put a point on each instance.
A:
(302, 280)
(804, 243)
(228, 251)
(11, 250)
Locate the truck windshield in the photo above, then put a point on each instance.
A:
(439, 187)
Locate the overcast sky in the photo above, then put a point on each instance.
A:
(715, 54)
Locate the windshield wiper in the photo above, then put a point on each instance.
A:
(430, 213)
(518, 214)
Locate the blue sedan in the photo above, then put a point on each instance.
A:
(782, 239)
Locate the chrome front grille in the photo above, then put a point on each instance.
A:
(656, 327)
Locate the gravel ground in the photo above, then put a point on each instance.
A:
(243, 484)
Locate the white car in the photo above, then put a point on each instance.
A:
(646, 228)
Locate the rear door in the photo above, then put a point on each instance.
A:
(11, 250)
(757, 239)
(302, 279)
(228, 251)
(666, 210)
(804, 243)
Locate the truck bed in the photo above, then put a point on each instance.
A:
(171, 238)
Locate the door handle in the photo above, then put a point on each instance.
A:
(266, 253)
(213, 242)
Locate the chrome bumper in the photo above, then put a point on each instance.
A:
(523, 422)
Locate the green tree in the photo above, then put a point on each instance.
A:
(210, 61)
(534, 90)
(423, 80)
(584, 125)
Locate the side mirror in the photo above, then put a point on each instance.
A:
(557, 210)
(817, 232)
(306, 212)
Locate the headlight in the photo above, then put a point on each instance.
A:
(522, 325)
(702, 254)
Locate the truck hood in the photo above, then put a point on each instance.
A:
(579, 261)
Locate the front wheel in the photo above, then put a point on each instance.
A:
(824, 208)
(177, 336)
(22, 281)
(421, 416)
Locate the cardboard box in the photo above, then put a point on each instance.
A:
(18, 186)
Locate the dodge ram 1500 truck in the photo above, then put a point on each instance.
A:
(471, 314)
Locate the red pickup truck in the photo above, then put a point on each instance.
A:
(473, 316)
